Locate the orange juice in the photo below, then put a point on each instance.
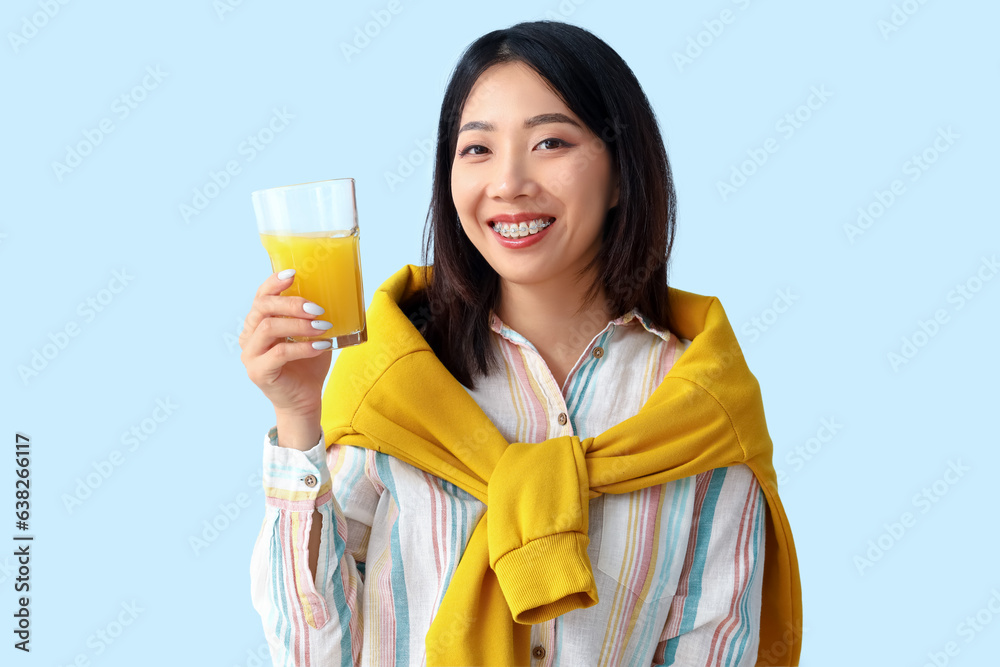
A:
(327, 272)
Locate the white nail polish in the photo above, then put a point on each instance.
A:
(286, 274)
(321, 324)
(313, 308)
(321, 344)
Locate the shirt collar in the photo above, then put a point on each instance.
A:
(628, 319)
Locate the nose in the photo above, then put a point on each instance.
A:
(511, 177)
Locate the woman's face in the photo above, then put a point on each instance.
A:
(521, 152)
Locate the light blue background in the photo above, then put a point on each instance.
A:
(171, 332)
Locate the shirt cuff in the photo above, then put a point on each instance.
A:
(295, 480)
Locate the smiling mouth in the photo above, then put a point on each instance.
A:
(520, 230)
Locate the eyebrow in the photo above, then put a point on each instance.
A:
(534, 121)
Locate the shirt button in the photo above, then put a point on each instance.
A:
(310, 480)
(538, 652)
(598, 352)
(563, 418)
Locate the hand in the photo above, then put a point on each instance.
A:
(290, 374)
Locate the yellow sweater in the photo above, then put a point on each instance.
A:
(526, 561)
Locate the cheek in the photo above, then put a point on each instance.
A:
(585, 177)
(600, 181)
(583, 163)
(564, 181)
(460, 190)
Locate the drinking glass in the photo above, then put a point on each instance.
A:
(313, 228)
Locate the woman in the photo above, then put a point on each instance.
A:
(597, 432)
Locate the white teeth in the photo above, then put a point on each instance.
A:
(519, 230)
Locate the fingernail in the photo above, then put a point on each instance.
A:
(321, 344)
(313, 308)
(321, 324)
(286, 274)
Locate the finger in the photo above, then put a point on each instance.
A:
(273, 330)
(278, 306)
(267, 368)
(266, 304)
(276, 282)
(287, 351)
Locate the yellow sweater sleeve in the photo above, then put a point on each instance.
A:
(538, 499)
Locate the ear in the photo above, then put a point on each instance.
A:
(614, 196)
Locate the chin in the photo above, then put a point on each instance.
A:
(520, 275)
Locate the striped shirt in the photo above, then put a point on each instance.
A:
(678, 566)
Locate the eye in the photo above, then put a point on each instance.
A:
(471, 149)
(559, 143)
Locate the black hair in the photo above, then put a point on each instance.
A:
(599, 87)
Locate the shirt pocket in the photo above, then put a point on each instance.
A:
(644, 537)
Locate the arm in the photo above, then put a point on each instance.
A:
(302, 434)
(714, 618)
(305, 580)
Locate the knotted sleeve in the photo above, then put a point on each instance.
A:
(538, 497)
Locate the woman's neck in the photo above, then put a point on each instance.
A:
(546, 314)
